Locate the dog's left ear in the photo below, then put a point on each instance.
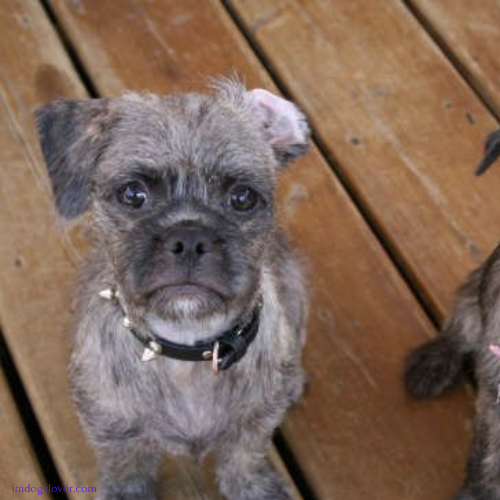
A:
(491, 152)
(73, 134)
(283, 124)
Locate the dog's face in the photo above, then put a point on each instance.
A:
(181, 189)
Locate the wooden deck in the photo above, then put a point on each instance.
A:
(401, 96)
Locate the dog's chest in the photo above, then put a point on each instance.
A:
(199, 407)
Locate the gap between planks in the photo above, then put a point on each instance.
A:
(363, 208)
(461, 68)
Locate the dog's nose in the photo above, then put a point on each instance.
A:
(190, 242)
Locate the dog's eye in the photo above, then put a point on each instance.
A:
(243, 198)
(133, 194)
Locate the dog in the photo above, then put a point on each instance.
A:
(470, 334)
(191, 306)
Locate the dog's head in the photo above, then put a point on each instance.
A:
(181, 189)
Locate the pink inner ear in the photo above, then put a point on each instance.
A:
(495, 350)
(283, 122)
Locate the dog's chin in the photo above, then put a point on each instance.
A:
(186, 302)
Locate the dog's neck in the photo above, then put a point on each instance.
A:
(223, 349)
(189, 331)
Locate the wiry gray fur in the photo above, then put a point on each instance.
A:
(191, 148)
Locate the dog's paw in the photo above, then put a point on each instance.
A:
(265, 485)
(129, 491)
(123, 496)
(465, 494)
(432, 368)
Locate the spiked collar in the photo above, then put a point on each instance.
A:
(223, 351)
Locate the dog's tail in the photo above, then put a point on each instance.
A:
(434, 367)
(491, 152)
(438, 364)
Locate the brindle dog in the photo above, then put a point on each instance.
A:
(190, 275)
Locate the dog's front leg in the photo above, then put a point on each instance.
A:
(127, 470)
(483, 468)
(245, 472)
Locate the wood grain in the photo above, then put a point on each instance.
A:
(471, 32)
(404, 128)
(354, 434)
(18, 465)
(38, 258)
(36, 270)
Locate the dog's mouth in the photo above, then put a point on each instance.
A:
(186, 300)
(187, 291)
(184, 289)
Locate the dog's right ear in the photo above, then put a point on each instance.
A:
(73, 134)
(491, 152)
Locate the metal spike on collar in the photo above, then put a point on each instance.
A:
(108, 294)
(151, 351)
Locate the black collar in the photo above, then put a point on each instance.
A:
(223, 351)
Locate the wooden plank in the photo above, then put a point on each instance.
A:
(405, 128)
(37, 258)
(34, 291)
(355, 434)
(18, 464)
(470, 32)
